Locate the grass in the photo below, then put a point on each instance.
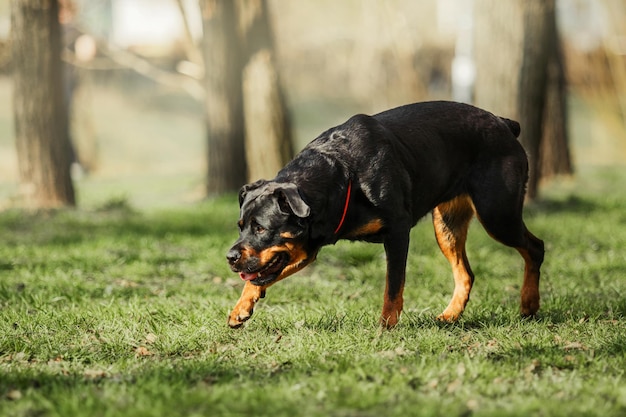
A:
(113, 311)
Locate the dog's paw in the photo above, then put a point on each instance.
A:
(236, 319)
(245, 306)
(448, 317)
(529, 306)
(388, 322)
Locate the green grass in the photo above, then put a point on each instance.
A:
(113, 311)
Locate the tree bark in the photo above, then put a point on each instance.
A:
(41, 118)
(227, 169)
(533, 81)
(554, 155)
(267, 127)
(498, 35)
(519, 75)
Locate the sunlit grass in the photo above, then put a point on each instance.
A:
(117, 311)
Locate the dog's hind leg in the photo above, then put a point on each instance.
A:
(451, 221)
(532, 251)
(499, 209)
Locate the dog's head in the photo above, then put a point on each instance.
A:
(273, 233)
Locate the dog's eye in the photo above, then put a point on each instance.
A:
(258, 229)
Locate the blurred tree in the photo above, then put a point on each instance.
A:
(554, 154)
(41, 118)
(520, 74)
(267, 129)
(249, 135)
(227, 169)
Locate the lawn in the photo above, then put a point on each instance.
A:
(117, 311)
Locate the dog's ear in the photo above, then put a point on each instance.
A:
(289, 200)
(247, 188)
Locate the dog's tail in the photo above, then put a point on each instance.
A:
(514, 127)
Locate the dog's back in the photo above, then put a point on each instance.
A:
(372, 178)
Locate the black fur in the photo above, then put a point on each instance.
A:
(400, 165)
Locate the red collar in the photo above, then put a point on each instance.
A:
(345, 207)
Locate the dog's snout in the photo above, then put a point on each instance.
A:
(233, 256)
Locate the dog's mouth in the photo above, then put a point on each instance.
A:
(269, 272)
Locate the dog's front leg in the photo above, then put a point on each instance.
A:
(245, 306)
(396, 248)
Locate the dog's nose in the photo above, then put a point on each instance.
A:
(233, 256)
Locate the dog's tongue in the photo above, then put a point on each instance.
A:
(248, 277)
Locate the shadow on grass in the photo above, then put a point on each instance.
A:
(598, 306)
(67, 226)
(173, 373)
(570, 204)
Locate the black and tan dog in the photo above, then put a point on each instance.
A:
(372, 178)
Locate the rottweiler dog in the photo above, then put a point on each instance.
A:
(371, 179)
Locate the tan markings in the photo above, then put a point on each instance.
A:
(266, 255)
(530, 287)
(248, 252)
(459, 207)
(392, 308)
(245, 306)
(287, 235)
(298, 259)
(451, 221)
(370, 228)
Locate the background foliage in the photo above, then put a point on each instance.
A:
(119, 308)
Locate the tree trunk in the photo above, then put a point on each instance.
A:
(227, 170)
(520, 76)
(533, 81)
(554, 155)
(41, 119)
(498, 35)
(268, 134)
